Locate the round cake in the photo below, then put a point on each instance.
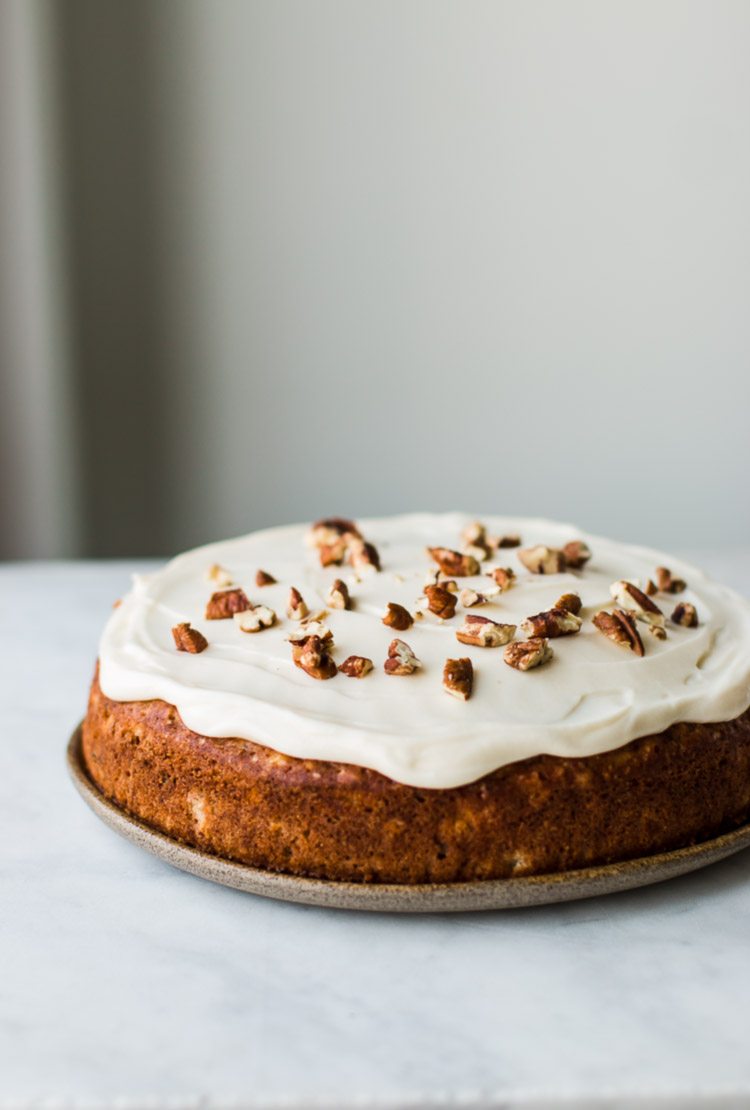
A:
(425, 698)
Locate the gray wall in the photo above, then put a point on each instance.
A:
(364, 257)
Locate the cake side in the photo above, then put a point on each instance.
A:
(333, 820)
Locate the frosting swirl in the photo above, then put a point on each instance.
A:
(592, 696)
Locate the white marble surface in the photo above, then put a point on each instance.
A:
(124, 983)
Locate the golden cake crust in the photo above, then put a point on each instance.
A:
(245, 802)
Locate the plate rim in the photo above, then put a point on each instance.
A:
(466, 896)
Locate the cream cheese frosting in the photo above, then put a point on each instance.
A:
(593, 696)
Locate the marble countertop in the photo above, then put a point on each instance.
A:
(126, 984)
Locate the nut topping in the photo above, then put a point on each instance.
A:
(263, 578)
(458, 678)
(331, 537)
(397, 617)
(619, 627)
(471, 598)
(441, 602)
(296, 609)
(313, 657)
(650, 588)
(255, 619)
(356, 666)
(542, 559)
(504, 577)
(219, 576)
(310, 628)
(363, 554)
(512, 540)
(453, 562)
(189, 639)
(338, 596)
(686, 615)
(571, 602)
(225, 603)
(632, 598)
(401, 659)
(577, 554)
(483, 632)
(667, 583)
(525, 654)
(552, 623)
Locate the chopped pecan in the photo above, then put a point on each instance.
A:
(475, 543)
(458, 678)
(512, 540)
(453, 562)
(630, 597)
(542, 559)
(338, 595)
(483, 632)
(363, 554)
(577, 554)
(331, 537)
(310, 628)
(401, 659)
(219, 575)
(441, 602)
(571, 602)
(686, 615)
(667, 583)
(650, 588)
(187, 638)
(296, 609)
(255, 619)
(225, 603)
(619, 627)
(525, 654)
(552, 623)
(471, 598)
(313, 657)
(397, 617)
(504, 577)
(263, 578)
(356, 666)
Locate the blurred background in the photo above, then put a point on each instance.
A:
(262, 260)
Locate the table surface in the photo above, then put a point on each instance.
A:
(125, 983)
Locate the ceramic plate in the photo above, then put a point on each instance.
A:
(489, 894)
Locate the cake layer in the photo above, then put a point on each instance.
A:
(593, 696)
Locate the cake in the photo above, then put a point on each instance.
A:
(425, 698)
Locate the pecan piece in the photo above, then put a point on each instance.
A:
(331, 537)
(401, 659)
(542, 559)
(667, 583)
(225, 603)
(619, 627)
(512, 540)
(363, 554)
(686, 615)
(296, 609)
(356, 666)
(313, 657)
(525, 654)
(471, 598)
(255, 619)
(475, 543)
(483, 632)
(571, 602)
(577, 554)
(453, 562)
(441, 602)
(650, 588)
(189, 639)
(458, 678)
(397, 617)
(219, 576)
(630, 597)
(338, 596)
(263, 578)
(552, 623)
(310, 628)
(504, 577)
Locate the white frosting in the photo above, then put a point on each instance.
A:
(592, 697)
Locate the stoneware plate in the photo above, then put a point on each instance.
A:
(490, 894)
